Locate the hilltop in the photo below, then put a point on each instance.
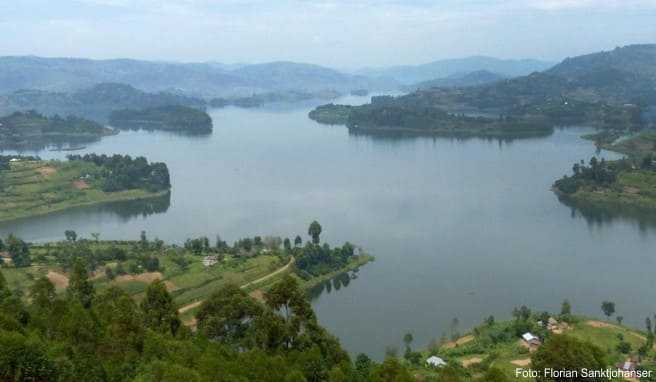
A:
(95, 102)
(413, 74)
(475, 78)
(33, 130)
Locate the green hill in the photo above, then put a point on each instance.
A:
(613, 90)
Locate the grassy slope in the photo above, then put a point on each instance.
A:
(189, 285)
(605, 337)
(42, 187)
(635, 189)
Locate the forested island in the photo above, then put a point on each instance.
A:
(146, 310)
(30, 186)
(386, 114)
(31, 130)
(170, 118)
(610, 90)
(261, 99)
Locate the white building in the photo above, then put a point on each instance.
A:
(208, 261)
(435, 361)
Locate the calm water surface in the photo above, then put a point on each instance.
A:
(459, 228)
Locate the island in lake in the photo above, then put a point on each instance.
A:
(31, 130)
(609, 90)
(170, 118)
(30, 186)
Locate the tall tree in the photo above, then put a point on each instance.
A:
(79, 286)
(158, 309)
(227, 315)
(315, 231)
(70, 235)
(19, 251)
(566, 308)
(298, 241)
(608, 307)
(562, 352)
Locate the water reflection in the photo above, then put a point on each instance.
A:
(393, 136)
(599, 216)
(338, 282)
(124, 211)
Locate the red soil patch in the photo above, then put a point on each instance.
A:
(46, 170)
(459, 341)
(521, 362)
(80, 185)
(59, 280)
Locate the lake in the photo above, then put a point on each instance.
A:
(459, 228)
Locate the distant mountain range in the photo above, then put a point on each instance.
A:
(198, 79)
(412, 74)
(95, 103)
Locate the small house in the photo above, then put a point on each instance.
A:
(530, 339)
(627, 366)
(435, 361)
(209, 261)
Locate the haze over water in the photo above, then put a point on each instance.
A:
(462, 229)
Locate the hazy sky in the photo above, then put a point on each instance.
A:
(336, 33)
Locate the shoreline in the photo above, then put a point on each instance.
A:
(120, 196)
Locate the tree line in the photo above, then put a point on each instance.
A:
(122, 172)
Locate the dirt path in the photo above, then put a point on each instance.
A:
(602, 324)
(471, 361)
(521, 362)
(196, 304)
(59, 280)
(459, 341)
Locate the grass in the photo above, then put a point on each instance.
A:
(31, 188)
(635, 188)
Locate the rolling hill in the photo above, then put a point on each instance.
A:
(411, 74)
(198, 79)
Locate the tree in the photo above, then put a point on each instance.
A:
(363, 366)
(19, 252)
(563, 352)
(619, 319)
(407, 339)
(315, 231)
(287, 244)
(298, 241)
(158, 309)
(565, 308)
(96, 236)
(43, 293)
(70, 235)
(79, 286)
(228, 315)
(608, 308)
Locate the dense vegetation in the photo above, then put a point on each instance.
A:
(95, 102)
(260, 99)
(33, 130)
(608, 90)
(628, 182)
(107, 332)
(122, 172)
(170, 118)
